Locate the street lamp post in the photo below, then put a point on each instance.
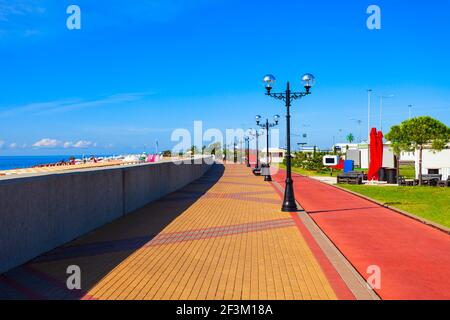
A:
(256, 135)
(247, 152)
(289, 204)
(369, 95)
(235, 157)
(267, 126)
(359, 122)
(257, 166)
(241, 150)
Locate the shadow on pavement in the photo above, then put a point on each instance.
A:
(104, 249)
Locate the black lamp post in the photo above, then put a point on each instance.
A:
(241, 150)
(267, 126)
(289, 204)
(235, 152)
(247, 152)
(257, 135)
(257, 149)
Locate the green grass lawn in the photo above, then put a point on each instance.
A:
(408, 171)
(311, 173)
(431, 203)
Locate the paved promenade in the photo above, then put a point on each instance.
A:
(221, 237)
(414, 259)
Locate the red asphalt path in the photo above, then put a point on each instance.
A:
(414, 259)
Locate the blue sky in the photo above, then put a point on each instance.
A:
(139, 69)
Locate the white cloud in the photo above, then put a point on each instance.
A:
(68, 144)
(2, 143)
(53, 143)
(13, 145)
(50, 107)
(84, 144)
(47, 143)
(18, 8)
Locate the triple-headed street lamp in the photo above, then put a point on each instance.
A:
(267, 125)
(308, 80)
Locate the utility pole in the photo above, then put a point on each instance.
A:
(381, 113)
(369, 94)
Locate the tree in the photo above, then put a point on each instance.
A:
(350, 138)
(167, 153)
(194, 150)
(214, 149)
(418, 133)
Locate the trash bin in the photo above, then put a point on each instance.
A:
(382, 174)
(391, 176)
(265, 170)
(349, 165)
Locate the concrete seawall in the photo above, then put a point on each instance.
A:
(40, 213)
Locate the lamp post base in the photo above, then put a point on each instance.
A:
(257, 171)
(267, 178)
(289, 203)
(248, 165)
(288, 207)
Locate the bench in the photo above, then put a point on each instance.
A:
(445, 183)
(403, 182)
(352, 177)
(431, 179)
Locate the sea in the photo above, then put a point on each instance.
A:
(21, 162)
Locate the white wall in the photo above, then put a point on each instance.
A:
(364, 158)
(407, 156)
(439, 160)
(388, 157)
(45, 211)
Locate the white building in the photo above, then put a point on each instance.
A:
(361, 155)
(406, 156)
(434, 162)
(343, 147)
(388, 156)
(276, 155)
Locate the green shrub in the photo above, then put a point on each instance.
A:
(309, 161)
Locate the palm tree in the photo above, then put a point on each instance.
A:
(350, 138)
